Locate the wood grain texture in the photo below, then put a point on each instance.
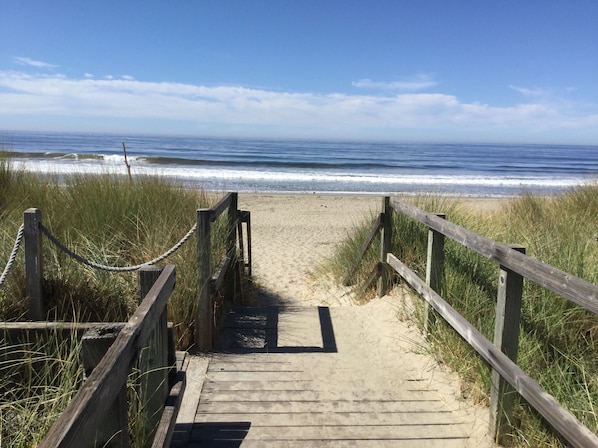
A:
(78, 422)
(270, 393)
(562, 420)
(577, 290)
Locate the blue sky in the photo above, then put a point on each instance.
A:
(486, 71)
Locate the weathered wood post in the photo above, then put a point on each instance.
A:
(233, 218)
(153, 361)
(32, 234)
(205, 309)
(240, 221)
(385, 247)
(113, 430)
(506, 338)
(434, 270)
(247, 218)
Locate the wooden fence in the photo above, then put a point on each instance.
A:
(98, 413)
(232, 263)
(501, 354)
(238, 248)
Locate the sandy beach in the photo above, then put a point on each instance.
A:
(293, 234)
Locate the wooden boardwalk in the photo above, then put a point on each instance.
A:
(295, 377)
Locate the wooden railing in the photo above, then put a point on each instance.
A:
(97, 414)
(232, 263)
(501, 354)
(236, 260)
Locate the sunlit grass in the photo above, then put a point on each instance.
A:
(107, 219)
(38, 377)
(558, 340)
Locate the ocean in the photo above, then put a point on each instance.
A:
(313, 166)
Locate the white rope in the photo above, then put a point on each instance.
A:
(13, 254)
(117, 268)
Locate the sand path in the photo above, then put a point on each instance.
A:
(291, 237)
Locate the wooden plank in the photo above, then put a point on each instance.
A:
(560, 418)
(252, 367)
(574, 288)
(273, 375)
(204, 321)
(390, 443)
(338, 418)
(166, 425)
(27, 331)
(273, 407)
(354, 396)
(195, 370)
(223, 267)
(385, 247)
(282, 384)
(153, 387)
(244, 431)
(250, 359)
(434, 270)
(94, 398)
(34, 266)
(221, 206)
(113, 427)
(256, 385)
(506, 339)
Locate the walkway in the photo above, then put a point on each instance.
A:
(300, 377)
(313, 369)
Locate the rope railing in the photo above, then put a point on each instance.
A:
(13, 254)
(33, 232)
(95, 265)
(79, 258)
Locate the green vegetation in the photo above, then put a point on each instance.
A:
(110, 220)
(558, 341)
(37, 380)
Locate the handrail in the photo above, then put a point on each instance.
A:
(223, 267)
(209, 281)
(222, 205)
(131, 337)
(573, 288)
(33, 229)
(560, 418)
(92, 402)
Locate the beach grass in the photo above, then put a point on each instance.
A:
(110, 220)
(558, 339)
(38, 377)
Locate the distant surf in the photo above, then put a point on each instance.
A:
(258, 165)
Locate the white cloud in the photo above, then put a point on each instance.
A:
(332, 115)
(128, 78)
(89, 75)
(532, 92)
(32, 62)
(418, 82)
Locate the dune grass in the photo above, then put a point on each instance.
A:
(558, 339)
(110, 220)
